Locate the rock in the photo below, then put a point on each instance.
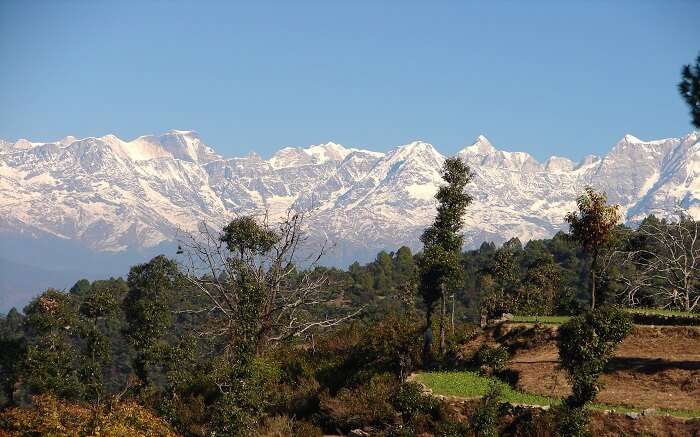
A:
(632, 415)
(649, 411)
(358, 433)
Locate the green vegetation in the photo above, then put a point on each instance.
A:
(472, 385)
(662, 312)
(546, 320)
(469, 384)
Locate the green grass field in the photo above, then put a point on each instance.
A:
(468, 384)
(547, 320)
(558, 320)
(661, 311)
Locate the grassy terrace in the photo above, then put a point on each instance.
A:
(558, 320)
(547, 320)
(468, 384)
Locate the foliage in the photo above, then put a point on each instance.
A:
(485, 417)
(572, 421)
(689, 87)
(492, 358)
(411, 401)
(586, 343)
(51, 416)
(147, 310)
(366, 405)
(439, 266)
(592, 227)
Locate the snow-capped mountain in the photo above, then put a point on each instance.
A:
(111, 195)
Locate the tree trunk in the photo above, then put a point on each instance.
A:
(443, 311)
(594, 266)
(452, 317)
(428, 338)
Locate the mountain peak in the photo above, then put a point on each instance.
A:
(329, 151)
(631, 139)
(480, 146)
(416, 147)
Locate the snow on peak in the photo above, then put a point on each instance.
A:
(557, 164)
(187, 145)
(315, 154)
(481, 146)
(24, 144)
(416, 147)
(631, 139)
(418, 152)
(68, 140)
(588, 161)
(327, 152)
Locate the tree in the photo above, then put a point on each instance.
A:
(592, 227)
(439, 266)
(11, 350)
(689, 88)
(50, 361)
(147, 309)
(252, 256)
(586, 343)
(666, 266)
(100, 302)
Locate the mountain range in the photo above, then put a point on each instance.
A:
(106, 198)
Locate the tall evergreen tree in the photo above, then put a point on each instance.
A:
(439, 266)
(689, 88)
(592, 227)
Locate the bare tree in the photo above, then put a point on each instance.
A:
(291, 297)
(668, 266)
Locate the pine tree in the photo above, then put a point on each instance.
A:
(439, 266)
(689, 88)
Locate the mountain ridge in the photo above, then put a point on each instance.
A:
(114, 195)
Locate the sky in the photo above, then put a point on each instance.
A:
(563, 78)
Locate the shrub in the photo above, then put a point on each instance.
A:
(50, 416)
(492, 358)
(572, 421)
(586, 343)
(451, 428)
(485, 417)
(283, 426)
(364, 406)
(411, 401)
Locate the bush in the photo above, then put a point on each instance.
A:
(283, 426)
(573, 421)
(411, 401)
(50, 416)
(364, 406)
(485, 417)
(450, 428)
(492, 359)
(586, 343)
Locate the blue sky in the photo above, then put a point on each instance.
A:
(555, 77)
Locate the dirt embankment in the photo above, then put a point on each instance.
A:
(655, 367)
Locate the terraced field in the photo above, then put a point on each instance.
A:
(656, 367)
